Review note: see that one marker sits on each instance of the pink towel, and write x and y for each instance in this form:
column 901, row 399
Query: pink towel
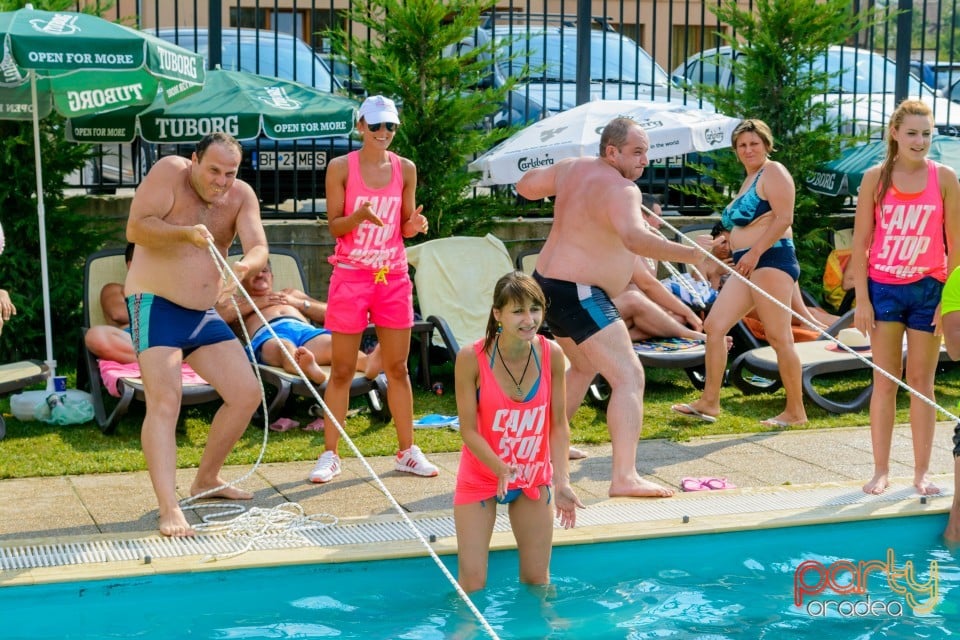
column 112, row 371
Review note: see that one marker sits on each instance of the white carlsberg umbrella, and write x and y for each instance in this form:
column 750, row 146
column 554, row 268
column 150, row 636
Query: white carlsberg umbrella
column 673, row 129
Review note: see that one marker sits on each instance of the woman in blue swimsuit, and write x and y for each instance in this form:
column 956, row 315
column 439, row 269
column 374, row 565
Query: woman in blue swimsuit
column 759, row 220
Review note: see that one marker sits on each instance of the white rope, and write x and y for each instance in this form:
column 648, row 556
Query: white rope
column 683, row 282
column 811, row 325
column 280, row 524
column 260, row 523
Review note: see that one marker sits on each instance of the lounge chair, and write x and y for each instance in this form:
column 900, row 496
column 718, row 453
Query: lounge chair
column 454, row 280
column 817, row 358
column 659, row 353
column 288, row 272
column 17, row 375
column 103, row 267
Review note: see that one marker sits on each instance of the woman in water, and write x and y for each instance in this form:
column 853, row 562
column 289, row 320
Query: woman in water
column 510, row 400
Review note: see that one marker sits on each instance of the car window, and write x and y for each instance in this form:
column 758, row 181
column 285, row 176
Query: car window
column 553, row 58
column 860, row 72
column 268, row 55
column 863, row 73
column 703, row 71
column 288, row 59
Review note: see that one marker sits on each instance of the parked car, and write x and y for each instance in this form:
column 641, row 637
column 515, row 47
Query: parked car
column 277, row 170
column 540, row 52
column 861, row 95
column 542, row 56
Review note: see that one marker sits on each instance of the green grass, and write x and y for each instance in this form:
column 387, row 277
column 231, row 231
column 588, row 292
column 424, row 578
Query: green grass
column 39, row 449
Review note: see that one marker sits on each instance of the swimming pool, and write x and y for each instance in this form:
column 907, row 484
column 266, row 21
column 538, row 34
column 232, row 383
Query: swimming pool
column 720, row 585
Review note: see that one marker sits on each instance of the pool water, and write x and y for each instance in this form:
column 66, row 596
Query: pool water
column 710, row 586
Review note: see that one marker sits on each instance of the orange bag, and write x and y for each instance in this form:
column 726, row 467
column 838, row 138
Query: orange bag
column 833, row 291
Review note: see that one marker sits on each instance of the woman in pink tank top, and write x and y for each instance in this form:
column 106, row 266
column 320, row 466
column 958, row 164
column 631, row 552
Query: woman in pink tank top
column 905, row 237
column 371, row 208
column 510, row 400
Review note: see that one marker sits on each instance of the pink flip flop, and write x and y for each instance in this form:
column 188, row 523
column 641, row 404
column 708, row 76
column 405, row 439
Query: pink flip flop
column 316, row 425
column 283, row 424
column 716, row 484
column 692, row 484
column 706, row 484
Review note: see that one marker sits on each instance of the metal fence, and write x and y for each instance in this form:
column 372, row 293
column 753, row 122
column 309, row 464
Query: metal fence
column 639, row 49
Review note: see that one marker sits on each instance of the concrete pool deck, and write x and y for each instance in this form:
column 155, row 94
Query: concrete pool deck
column 816, row 471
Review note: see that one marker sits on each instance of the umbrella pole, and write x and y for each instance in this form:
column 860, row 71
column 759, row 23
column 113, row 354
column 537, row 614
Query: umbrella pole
column 41, row 217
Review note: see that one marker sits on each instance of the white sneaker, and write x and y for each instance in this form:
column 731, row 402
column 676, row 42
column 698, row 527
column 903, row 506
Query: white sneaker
column 413, row 461
column 327, row 467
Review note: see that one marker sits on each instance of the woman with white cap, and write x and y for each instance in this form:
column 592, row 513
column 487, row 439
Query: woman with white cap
column 371, row 208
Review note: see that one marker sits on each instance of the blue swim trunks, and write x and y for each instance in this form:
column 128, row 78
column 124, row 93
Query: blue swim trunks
column 912, row 304
column 157, row 322
column 288, row 328
column 576, row 311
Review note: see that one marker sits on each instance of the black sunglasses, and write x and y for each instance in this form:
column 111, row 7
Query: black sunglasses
column 391, row 126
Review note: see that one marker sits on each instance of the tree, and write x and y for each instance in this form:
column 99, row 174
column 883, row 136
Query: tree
column 932, row 27
column 442, row 111
column 71, row 236
column 776, row 82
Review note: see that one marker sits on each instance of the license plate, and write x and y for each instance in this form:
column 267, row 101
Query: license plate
column 301, row 160
column 675, row 161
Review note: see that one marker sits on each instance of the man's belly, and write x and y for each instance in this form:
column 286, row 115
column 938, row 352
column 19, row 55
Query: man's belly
column 193, row 288
column 610, row 275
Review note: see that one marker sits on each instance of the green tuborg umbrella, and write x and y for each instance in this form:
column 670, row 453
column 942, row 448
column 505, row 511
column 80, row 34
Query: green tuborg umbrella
column 843, row 175
column 240, row 103
column 80, row 64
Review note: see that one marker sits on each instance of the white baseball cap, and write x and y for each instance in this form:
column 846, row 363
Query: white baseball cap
column 377, row 109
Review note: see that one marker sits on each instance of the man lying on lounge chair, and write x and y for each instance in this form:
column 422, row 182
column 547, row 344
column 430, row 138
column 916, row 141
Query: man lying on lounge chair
column 717, row 274
column 112, row 341
column 291, row 314
column 650, row 309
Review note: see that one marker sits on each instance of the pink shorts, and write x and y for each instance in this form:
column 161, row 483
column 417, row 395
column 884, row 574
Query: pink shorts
column 356, row 298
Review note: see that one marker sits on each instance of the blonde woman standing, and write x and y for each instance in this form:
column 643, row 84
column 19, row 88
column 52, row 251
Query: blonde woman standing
column 904, row 244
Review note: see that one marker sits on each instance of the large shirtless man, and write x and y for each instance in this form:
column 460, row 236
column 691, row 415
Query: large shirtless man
column 291, row 314
column 172, row 286
column 588, row 258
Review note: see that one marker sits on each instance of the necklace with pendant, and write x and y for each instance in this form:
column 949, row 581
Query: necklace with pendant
column 518, row 393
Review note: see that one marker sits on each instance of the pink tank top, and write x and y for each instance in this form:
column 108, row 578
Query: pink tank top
column 369, row 246
column 519, row 431
column 908, row 243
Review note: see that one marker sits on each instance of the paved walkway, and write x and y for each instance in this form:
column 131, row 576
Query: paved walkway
column 122, row 504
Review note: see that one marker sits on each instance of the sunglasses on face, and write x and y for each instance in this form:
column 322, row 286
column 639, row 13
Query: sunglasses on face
column 391, row 126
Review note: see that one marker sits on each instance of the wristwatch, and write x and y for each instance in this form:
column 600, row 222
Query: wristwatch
column 306, row 305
